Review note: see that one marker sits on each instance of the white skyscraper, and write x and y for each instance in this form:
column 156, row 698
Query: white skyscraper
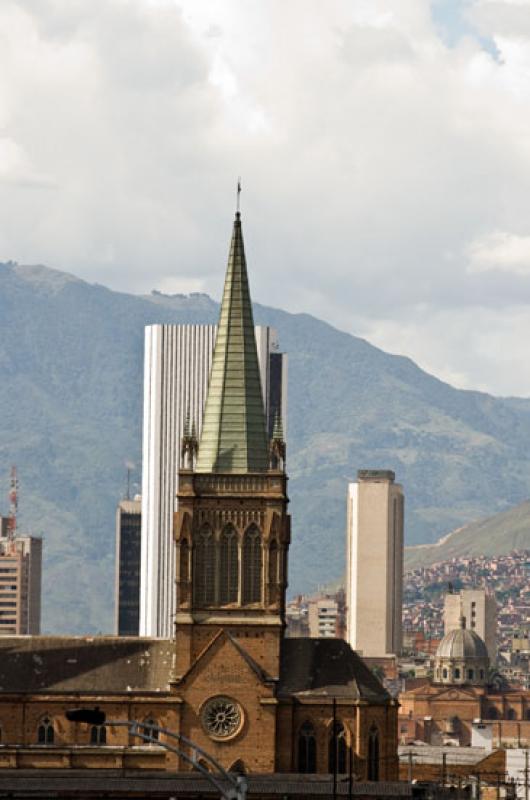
column 176, row 373
column 374, row 563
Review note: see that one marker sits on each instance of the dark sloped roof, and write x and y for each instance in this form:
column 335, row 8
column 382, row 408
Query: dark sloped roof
column 327, row 667
column 84, row 664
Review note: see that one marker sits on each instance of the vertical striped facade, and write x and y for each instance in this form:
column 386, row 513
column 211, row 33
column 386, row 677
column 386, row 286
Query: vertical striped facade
column 176, row 374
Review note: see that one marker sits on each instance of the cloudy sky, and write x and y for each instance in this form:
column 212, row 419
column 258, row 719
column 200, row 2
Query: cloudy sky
column 384, row 147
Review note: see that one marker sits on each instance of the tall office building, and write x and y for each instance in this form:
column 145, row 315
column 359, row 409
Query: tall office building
column 176, row 374
column 127, row 583
column 374, row 563
column 479, row 607
column 20, row 583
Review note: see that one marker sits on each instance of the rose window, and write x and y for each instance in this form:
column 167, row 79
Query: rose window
column 221, row 717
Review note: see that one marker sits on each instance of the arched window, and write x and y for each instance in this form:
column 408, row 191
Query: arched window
column 229, row 567
column 492, row 713
column 511, row 714
column 98, row 734
column 252, row 566
column 337, row 749
column 373, row 755
column 307, row 749
column 149, row 728
column 45, row 731
column 470, row 674
column 238, row 767
column 457, row 673
column 204, row 568
column 444, row 673
column 273, row 563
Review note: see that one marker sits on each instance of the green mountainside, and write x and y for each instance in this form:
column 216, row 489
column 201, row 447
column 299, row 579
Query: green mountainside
column 494, row 536
column 71, row 371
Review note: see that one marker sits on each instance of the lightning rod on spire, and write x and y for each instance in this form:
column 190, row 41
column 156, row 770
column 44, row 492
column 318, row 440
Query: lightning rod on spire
column 238, row 209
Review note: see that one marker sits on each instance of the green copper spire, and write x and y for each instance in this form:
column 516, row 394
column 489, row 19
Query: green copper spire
column 234, row 438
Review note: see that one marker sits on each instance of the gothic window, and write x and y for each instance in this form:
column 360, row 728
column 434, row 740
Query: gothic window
column 229, row 567
column 307, row 749
column 337, row 749
column 373, row 755
column 45, row 731
column 273, row 563
column 238, row 767
column 149, row 728
column 252, row 566
column 204, row 571
column 98, row 734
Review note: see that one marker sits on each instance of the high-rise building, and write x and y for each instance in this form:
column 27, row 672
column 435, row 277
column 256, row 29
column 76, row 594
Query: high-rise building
column 176, row 374
column 20, row 583
column 323, row 617
column 374, row 563
column 479, row 609
column 127, row 604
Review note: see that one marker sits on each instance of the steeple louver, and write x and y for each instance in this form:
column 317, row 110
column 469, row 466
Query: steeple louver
column 233, row 438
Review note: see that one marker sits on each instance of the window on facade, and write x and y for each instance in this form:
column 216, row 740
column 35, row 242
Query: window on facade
column 45, row 732
column 337, row 749
column 457, row 673
column 149, row 728
column 273, row 563
column 527, row 713
column 238, row 767
column 184, row 560
column 482, row 674
column 445, row 673
column 204, row 568
column 98, row 734
column 307, row 749
column 470, row 674
column 373, row 755
column 252, row 566
column 229, row 567
column 492, row 713
column 511, row 713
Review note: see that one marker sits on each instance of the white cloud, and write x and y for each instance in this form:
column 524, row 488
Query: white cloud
column 385, row 174
column 501, row 251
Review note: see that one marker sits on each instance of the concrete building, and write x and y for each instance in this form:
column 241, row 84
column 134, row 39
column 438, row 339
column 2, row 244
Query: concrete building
column 127, row 583
column 479, row 608
column 20, row 583
column 176, row 374
column 374, row 563
column 323, row 618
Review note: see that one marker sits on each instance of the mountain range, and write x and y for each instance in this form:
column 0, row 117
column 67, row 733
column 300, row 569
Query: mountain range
column 71, row 370
column 493, row 536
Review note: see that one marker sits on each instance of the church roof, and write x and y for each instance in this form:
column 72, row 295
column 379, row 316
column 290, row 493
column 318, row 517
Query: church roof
column 103, row 665
column 233, row 438
column 327, row 667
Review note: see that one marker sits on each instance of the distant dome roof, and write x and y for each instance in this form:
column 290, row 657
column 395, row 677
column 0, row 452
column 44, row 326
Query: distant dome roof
column 462, row 644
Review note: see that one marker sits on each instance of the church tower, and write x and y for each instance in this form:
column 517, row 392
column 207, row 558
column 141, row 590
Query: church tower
column 232, row 529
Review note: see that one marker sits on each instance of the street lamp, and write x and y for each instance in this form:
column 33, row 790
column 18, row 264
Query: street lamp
column 237, row 784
